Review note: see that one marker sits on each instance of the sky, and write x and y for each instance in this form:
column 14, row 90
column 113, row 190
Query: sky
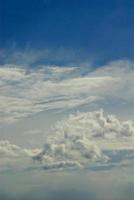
column 99, row 30
column 66, row 99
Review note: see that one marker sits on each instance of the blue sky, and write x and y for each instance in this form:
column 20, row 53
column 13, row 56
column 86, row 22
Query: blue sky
column 102, row 30
column 85, row 49
column 66, row 99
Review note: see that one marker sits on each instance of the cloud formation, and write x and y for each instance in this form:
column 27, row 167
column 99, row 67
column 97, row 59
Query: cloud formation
column 78, row 138
column 75, row 142
column 9, row 150
column 96, row 125
column 28, row 91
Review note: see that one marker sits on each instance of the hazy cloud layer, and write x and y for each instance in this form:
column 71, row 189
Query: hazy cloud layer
column 24, row 91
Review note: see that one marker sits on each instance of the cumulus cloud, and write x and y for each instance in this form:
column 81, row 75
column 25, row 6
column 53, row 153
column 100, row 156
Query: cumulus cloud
column 14, row 157
column 9, row 150
column 97, row 126
column 76, row 142
column 79, row 138
column 68, row 152
column 51, row 156
column 62, row 149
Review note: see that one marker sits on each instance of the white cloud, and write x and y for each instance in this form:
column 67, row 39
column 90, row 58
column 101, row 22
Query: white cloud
column 9, row 150
column 96, row 125
column 72, row 149
column 60, row 150
column 24, row 92
column 106, row 131
column 82, row 137
column 75, row 154
column 75, row 142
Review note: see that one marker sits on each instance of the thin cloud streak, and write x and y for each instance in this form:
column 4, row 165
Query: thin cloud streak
column 25, row 92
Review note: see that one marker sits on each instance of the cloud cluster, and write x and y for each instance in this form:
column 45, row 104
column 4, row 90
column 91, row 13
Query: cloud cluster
column 60, row 151
column 9, row 150
column 75, row 154
column 96, row 125
column 75, row 142
column 76, row 139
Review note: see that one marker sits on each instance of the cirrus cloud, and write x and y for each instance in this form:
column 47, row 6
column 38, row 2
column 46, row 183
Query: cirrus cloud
column 24, row 92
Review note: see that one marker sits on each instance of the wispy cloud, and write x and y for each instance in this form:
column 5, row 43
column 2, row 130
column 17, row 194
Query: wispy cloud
column 24, row 92
column 29, row 57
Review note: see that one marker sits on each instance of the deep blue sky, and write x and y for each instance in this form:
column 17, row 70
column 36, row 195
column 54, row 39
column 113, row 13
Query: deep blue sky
column 99, row 28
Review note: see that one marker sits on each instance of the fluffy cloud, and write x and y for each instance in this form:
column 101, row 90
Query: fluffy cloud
column 75, row 142
column 9, row 150
column 14, row 157
column 96, row 125
column 78, row 138
column 63, row 151
column 75, row 154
